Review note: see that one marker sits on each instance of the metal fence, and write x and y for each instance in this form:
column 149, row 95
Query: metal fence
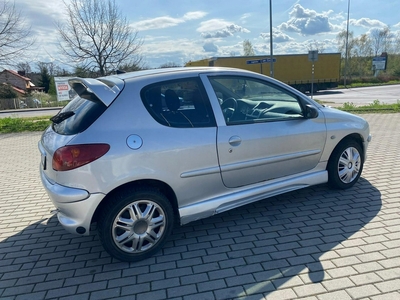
column 24, row 103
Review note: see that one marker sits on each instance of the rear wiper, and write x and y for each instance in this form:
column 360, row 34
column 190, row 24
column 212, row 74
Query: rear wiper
column 58, row 118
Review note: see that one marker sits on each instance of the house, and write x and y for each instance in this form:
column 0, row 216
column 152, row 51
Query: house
column 21, row 84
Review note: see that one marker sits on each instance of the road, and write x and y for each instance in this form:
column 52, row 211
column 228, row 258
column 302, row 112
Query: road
column 361, row 96
column 28, row 112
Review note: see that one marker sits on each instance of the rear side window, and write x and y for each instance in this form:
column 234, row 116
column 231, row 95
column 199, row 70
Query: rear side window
column 78, row 115
column 179, row 103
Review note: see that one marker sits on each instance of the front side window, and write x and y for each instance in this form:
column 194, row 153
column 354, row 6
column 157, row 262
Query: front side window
column 178, row 103
column 249, row 100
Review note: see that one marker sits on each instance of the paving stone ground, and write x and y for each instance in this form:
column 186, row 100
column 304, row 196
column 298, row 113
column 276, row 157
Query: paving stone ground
column 315, row 243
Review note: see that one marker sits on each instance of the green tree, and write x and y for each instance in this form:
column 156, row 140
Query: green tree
column 52, row 88
column 7, row 92
column 7, row 96
column 45, row 77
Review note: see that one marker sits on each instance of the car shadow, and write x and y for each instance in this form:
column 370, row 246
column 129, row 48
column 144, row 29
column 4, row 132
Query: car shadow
column 254, row 249
column 274, row 240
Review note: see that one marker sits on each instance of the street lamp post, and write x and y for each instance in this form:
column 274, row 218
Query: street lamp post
column 270, row 39
column 347, row 44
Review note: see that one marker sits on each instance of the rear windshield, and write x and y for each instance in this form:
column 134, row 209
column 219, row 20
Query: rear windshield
column 78, row 115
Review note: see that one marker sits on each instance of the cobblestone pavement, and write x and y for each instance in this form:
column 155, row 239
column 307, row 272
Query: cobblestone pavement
column 315, row 243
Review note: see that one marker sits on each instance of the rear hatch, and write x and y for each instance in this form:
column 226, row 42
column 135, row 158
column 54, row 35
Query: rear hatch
column 93, row 98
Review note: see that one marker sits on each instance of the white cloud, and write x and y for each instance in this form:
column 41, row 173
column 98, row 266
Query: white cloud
column 213, row 24
column 218, row 28
column 397, row 25
column 194, row 15
column 329, row 45
column 277, row 35
column 156, row 23
column 307, row 22
column 159, row 50
column 244, row 18
column 210, row 47
column 367, row 23
column 167, row 21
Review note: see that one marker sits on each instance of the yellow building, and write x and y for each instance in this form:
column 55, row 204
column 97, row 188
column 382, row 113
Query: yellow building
column 293, row 69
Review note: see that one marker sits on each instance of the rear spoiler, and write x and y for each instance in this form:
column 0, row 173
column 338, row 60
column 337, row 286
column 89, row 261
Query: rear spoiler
column 106, row 89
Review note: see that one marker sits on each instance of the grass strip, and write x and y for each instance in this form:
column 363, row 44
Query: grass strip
column 11, row 124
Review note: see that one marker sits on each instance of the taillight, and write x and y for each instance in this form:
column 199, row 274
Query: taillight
column 74, row 156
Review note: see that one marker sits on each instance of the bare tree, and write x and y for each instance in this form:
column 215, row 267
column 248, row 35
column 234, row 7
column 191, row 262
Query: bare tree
column 15, row 35
column 381, row 40
column 396, row 43
column 248, row 48
column 362, row 53
column 341, row 40
column 348, row 64
column 24, row 67
column 169, row 65
column 363, row 46
column 52, row 68
column 97, row 37
column 316, row 45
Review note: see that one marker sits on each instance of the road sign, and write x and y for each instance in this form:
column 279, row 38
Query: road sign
column 260, row 61
column 313, row 55
column 253, row 61
column 268, row 60
column 379, row 63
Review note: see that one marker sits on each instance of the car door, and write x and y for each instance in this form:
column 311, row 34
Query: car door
column 266, row 134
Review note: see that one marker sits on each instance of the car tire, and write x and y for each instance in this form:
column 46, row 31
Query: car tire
column 345, row 164
column 135, row 223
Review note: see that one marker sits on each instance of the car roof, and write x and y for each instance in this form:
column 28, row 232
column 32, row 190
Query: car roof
column 135, row 74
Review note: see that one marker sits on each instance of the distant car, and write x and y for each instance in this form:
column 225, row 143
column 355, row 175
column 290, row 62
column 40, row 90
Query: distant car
column 36, row 102
column 22, row 104
column 126, row 154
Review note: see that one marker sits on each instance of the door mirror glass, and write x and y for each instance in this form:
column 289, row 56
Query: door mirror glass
column 311, row 112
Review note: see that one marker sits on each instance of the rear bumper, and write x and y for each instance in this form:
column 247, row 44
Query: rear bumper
column 75, row 207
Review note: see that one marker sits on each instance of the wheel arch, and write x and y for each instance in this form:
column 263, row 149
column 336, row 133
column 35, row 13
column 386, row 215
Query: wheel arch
column 149, row 183
column 343, row 175
column 358, row 138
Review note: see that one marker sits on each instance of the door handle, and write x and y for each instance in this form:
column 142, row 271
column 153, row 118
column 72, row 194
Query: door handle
column 235, row 141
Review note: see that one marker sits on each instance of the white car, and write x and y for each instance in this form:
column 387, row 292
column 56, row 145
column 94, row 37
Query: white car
column 128, row 155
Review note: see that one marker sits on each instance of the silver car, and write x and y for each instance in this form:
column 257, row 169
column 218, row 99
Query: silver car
column 137, row 152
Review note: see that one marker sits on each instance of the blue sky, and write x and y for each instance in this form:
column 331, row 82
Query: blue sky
column 181, row 30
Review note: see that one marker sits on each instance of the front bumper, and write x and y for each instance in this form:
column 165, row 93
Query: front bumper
column 75, row 207
column 366, row 144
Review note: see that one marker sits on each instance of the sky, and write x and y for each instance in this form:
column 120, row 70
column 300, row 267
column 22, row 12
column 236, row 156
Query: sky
column 178, row 31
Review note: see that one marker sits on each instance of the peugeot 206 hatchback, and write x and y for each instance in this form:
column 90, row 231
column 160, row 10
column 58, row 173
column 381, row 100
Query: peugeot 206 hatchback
column 138, row 151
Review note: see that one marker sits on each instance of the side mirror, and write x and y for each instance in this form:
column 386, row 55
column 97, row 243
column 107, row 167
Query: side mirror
column 311, row 112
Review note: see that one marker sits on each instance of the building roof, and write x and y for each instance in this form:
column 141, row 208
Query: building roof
column 16, row 74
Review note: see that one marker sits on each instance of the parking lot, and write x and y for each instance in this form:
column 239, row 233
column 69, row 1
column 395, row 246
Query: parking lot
column 315, row 243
